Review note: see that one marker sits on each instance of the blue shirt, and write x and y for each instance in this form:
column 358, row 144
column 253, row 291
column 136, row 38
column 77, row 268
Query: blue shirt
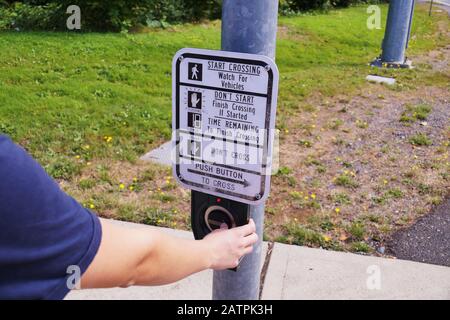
column 43, row 231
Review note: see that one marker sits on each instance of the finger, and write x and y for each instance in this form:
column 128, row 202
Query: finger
column 248, row 250
column 223, row 227
column 250, row 240
column 247, row 229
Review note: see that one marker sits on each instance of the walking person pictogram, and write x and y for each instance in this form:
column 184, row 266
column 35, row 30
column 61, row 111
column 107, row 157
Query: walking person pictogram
column 195, row 71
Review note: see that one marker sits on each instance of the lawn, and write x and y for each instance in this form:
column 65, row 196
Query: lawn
column 88, row 105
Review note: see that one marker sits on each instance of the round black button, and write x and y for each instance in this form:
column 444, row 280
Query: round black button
column 216, row 216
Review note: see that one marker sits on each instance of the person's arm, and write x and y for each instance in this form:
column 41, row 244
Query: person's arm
column 144, row 256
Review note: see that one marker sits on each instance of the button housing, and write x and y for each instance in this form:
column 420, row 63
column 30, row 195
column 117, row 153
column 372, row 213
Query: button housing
column 209, row 212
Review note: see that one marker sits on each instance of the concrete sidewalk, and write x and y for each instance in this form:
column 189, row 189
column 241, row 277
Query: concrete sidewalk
column 303, row 273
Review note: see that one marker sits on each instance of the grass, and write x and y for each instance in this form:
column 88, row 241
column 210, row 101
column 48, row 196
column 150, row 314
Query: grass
column 420, row 139
column 87, row 184
column 357, row 230
column 71, row 89
column 301, row 236
column 284, row 171
column 416, row 113
column 305, row 143
column 347, row 181
column 360, row 247
column 390, row 194
column 341, row 198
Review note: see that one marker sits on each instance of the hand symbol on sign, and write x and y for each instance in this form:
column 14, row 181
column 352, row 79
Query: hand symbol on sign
column 194, row 100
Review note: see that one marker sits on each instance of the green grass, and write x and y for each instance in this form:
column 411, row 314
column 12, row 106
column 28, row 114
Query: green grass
column 62, row 91
column 357, row 230
column 300, row 235
column 390, row 194
column 283, row 172
column 87, row 184
column 416, row 113
column 347, row 181
column 420, row 139
column 361, row 247
column 341, row 198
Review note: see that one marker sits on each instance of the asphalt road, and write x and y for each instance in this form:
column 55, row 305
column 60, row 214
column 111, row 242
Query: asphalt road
column 428, row 240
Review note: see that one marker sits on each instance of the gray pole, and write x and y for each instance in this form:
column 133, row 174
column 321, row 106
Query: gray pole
column 398, row 29
column 248, row 26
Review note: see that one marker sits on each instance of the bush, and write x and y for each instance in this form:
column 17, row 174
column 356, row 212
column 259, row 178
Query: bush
column 303, row 5
column 21, row 16
column 116, row 15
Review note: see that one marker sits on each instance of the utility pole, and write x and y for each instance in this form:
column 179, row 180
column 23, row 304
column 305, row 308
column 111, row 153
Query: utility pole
column 248, row 26
column 396, row 39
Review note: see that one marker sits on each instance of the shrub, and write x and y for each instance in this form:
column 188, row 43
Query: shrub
column 420, row 139
column 21, row 16
column 115, row 15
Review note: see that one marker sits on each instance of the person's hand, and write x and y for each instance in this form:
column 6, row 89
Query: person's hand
column 227, row 247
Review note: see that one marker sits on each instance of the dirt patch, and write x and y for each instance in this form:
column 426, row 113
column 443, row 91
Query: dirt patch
column 352, row 161
column 355, row 169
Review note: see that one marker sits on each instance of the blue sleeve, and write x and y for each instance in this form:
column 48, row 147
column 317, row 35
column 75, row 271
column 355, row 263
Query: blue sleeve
column 43, row 231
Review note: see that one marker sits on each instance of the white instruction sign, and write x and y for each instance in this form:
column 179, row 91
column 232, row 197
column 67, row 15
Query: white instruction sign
column 224, row 108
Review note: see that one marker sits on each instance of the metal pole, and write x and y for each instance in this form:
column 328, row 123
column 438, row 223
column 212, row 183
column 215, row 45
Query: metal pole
column 411, row 16
column 248, row 26
column 431, row 7
column 397, row 31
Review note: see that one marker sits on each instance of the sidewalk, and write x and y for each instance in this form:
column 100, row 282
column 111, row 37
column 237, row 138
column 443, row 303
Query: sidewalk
column 303, row 273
